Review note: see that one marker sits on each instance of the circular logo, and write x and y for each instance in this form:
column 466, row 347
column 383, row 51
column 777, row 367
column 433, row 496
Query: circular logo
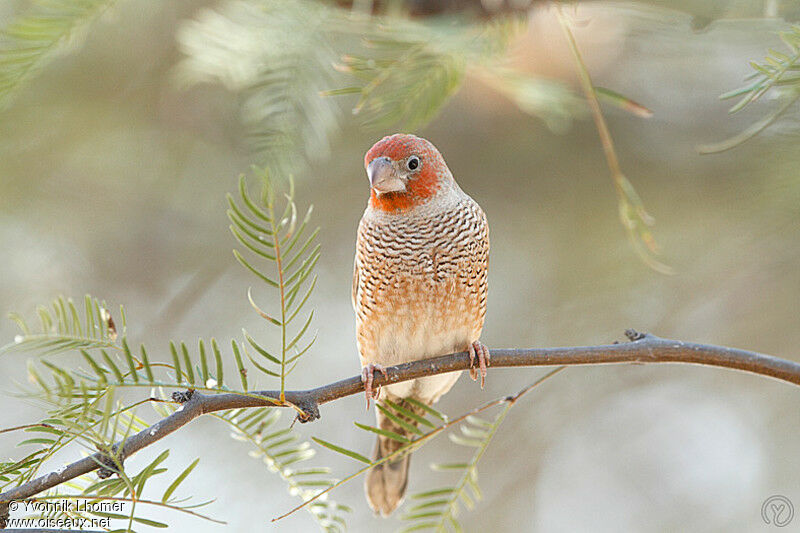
column 777, row 510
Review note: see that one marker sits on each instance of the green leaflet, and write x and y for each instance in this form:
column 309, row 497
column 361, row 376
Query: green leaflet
column 339, row 449
column 178, row 480
column 389, row 434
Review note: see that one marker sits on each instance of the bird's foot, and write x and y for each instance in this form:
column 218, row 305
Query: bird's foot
column 367, row 376
column 479, row 350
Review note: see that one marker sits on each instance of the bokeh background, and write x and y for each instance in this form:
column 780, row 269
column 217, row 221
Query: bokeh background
column 113, row 182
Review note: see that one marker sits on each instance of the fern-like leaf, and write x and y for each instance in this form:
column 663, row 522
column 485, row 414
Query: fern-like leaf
column 287, row 248
column 104, row 372
column 33, row 39
column 282, row 451
column 779, row 74
column 778, row 70
column 410, row 69
column 275, row 54
column 438, row 509
column 63, row 328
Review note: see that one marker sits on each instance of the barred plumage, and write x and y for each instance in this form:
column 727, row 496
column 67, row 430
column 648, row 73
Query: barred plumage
column 420, row 287
column 420, row 281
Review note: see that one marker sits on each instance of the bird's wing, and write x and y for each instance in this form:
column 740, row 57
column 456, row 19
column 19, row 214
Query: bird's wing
column 354, row 294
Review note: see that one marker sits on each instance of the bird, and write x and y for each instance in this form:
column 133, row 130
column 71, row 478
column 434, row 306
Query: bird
column 419, row 289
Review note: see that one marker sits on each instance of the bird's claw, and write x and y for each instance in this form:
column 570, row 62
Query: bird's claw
column 367, row 376
column 480, row 350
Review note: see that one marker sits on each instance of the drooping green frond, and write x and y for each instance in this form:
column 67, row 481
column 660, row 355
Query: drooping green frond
column 778, row 71
column 433, row 421
column 408, row 445
column 276, row 55
column 282, row 451
column 477, row 433
column 549, row 100
column 635, row 219
column 281, row 251
column 280, row 57
column 410, row 68
column 779, row 75
column 552, row 101
column 438, row 509
column 34, row 38
column 408, row 88
column 64, row 327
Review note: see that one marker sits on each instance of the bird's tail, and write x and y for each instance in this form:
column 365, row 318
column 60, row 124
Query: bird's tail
column 386, row 483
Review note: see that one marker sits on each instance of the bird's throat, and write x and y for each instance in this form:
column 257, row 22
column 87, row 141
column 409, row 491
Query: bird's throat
column 391, row 202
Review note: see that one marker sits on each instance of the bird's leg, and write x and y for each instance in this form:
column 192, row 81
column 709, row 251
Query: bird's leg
column 480, row 350
column 367, row 376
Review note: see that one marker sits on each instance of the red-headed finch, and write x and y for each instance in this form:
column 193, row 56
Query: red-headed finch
column 419, row 286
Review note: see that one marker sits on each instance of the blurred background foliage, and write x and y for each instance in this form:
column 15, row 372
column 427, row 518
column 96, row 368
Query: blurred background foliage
column 125, row 123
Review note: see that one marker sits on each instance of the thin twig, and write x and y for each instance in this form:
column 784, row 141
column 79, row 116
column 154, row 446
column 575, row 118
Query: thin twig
column 749, row 133
column 643, row 348
column 26, row 426
column 642, row 240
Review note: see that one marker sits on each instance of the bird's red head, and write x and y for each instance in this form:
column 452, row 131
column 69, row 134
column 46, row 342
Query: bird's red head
column 404, row 171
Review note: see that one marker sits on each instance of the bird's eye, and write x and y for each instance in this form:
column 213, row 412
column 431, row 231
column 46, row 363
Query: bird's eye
column 413, row 163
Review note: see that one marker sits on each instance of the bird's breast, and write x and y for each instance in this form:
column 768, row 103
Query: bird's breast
column 421, row 285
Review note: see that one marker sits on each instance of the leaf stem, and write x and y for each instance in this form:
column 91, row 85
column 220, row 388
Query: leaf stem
column 281, row 286
column 750, row 132
column 628, row 200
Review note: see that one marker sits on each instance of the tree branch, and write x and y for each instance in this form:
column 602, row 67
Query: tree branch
column 643, row 348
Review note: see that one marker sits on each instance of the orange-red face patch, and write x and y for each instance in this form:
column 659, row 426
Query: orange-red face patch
column 422, row 184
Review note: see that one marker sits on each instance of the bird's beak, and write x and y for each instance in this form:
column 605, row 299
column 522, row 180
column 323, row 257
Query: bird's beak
column 382, row 176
